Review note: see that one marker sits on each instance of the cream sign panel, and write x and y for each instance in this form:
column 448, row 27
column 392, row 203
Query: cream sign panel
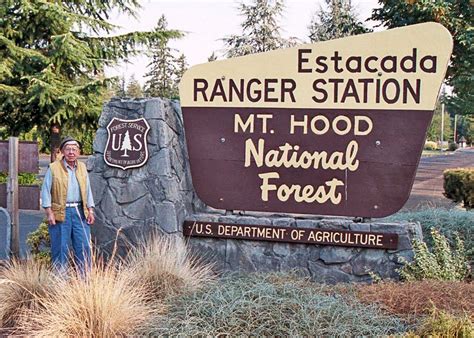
column 330, row 128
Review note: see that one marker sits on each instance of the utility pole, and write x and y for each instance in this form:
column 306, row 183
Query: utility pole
column 455, row 128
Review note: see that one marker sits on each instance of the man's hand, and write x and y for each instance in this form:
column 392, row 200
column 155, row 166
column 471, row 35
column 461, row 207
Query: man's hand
column 50, row 216
column 90, row 217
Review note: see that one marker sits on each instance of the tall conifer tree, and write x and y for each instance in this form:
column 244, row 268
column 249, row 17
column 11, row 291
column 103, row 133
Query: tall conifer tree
column 335, row 21
column 162, row 76
column 260, row 29
column 134, row 89
column 52, row 57
column 181, row 67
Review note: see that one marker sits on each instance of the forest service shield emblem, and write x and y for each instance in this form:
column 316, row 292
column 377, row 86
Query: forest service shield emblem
column 127, row 143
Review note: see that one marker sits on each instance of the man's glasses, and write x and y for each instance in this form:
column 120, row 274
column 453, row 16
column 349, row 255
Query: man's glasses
column 71, row 149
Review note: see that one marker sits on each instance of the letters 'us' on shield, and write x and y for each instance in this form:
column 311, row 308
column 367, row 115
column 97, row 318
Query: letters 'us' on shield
column 126, row 143
column 332, row 128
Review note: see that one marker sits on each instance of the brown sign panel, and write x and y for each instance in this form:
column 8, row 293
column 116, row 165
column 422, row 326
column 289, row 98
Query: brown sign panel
column 333, row 128
column 292, row 235
column 127, row 143
column 28, row 157
column 29, row 196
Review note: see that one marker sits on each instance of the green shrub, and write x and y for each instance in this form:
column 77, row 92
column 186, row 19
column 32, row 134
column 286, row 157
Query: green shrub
column 459, row 186
column 441, row 263
column 430, row 145
column 40, row 244
column 442, row 324
column 23, row 179
column 262, row 305
column 449, row 222
column 452, row 146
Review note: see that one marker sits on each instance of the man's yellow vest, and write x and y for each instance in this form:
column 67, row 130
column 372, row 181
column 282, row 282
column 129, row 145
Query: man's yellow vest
column 59, row 187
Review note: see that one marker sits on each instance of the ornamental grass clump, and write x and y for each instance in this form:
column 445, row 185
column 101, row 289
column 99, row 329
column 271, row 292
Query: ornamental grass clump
column 166, row 267
column 442, row 263
column 443, row 324
column 265, row 305
column 106, row 303
column 22, row 286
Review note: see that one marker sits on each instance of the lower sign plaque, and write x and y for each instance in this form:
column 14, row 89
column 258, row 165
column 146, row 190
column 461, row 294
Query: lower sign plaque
column 361, row 239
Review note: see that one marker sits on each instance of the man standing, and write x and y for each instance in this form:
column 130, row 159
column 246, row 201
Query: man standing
column 67, row 199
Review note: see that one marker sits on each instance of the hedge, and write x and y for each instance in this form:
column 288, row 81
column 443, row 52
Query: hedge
column 459, row 185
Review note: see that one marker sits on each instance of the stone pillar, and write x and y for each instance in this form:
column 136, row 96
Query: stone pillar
column 132, row 203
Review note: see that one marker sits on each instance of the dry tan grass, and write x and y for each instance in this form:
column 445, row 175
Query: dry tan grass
column 420, row 297
column 166, row 267
column 22, row 286
column 107, row 303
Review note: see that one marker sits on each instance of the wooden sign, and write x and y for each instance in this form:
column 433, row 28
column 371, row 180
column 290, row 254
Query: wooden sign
column 361, row 239
column 28, row 157
column 28, row 197
column 126, row 143
column 333, row 128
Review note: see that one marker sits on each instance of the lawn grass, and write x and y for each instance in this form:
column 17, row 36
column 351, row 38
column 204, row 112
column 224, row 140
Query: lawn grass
column 431, row 153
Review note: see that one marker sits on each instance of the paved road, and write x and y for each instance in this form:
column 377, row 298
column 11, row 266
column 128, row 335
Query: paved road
column 428, row 188
column 427, row 191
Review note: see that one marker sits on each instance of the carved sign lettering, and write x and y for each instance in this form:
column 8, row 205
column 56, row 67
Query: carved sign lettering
column 292, row 235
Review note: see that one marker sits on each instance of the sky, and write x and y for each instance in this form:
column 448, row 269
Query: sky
column 206, row 22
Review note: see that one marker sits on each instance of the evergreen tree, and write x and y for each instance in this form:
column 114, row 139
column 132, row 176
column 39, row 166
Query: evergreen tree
column 120, row 87
column 52, row 56
column 260, row 29
column 465, row 127
column 134, row 89
column 181, row 67
column 161, row 81
column 336, row 21
column 212, row 57
column 434, row 130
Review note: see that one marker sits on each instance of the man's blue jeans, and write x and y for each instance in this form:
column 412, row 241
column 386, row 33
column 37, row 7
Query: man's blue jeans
column 76, row 231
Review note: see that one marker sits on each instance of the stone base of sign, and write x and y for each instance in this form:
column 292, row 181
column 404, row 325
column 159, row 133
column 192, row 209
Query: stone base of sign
column 159, row 197
column 321, row 262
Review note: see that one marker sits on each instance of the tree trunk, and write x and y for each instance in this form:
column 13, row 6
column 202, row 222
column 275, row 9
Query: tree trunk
column 55, row 141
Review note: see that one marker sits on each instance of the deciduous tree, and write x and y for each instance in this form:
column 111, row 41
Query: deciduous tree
column 457, row 17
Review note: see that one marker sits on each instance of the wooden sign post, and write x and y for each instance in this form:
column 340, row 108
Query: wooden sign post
column 17, row 157
column 12, row 196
